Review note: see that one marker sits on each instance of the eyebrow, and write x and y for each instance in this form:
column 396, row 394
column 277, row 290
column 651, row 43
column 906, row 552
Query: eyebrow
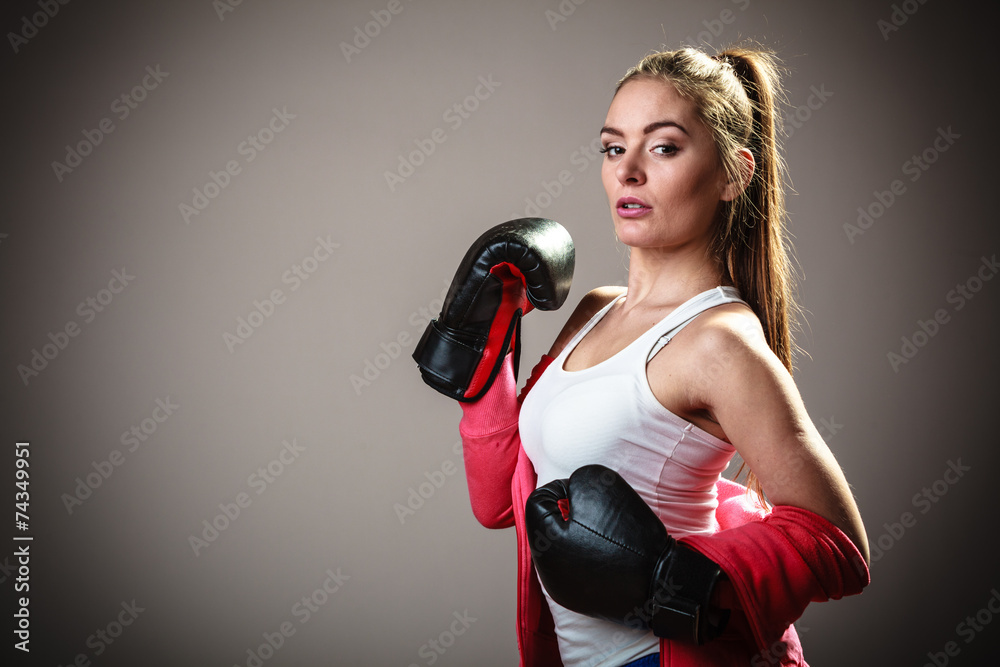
column 652, row 127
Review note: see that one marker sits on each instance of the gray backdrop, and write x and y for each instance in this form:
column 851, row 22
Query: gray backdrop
column 226, row 223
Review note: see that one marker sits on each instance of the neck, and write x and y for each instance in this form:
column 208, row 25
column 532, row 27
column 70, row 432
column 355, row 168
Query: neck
column 659, row 278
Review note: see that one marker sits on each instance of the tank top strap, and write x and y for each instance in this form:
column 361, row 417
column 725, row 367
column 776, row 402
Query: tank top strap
column 585, row 329
column 684, row 314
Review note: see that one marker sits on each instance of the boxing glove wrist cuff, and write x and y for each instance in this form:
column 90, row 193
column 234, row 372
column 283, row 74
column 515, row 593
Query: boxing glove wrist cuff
column 682, row 588
column 454, row 358
column 449, row 355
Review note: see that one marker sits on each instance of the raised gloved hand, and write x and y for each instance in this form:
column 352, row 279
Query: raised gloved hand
column 512, row 268
column 599, row 550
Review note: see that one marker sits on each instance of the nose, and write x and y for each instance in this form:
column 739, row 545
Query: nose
column 630, row 169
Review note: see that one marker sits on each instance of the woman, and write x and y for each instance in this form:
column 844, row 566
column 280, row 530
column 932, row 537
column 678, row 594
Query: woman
column 665, row 380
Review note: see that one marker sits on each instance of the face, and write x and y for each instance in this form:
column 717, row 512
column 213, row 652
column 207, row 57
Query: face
column 661, row 169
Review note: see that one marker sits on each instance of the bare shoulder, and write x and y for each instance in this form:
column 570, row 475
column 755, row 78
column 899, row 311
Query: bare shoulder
column 728, row 329
column 725, row 352
column 589, row 305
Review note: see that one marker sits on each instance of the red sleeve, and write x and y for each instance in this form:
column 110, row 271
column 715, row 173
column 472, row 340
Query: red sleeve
column 490, row 443
column 779, row 562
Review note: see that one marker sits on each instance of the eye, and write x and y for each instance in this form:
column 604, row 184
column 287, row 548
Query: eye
column 612, row 151
column 665, row 149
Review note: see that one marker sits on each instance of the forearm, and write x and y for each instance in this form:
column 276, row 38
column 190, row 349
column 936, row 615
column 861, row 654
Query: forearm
column 776, row 566
column 490, row 443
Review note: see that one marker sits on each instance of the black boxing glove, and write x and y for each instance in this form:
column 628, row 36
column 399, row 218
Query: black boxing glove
column 600, row 551
column 512, row 268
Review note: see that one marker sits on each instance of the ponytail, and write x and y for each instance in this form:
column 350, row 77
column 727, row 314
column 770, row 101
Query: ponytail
column 753, row 247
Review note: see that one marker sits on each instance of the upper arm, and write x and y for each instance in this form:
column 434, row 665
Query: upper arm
column 589, row 305
column 758, row 406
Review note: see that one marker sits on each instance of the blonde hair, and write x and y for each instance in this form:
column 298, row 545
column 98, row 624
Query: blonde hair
column 737, row 93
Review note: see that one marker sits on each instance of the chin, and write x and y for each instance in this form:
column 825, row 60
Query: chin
column 635, row 234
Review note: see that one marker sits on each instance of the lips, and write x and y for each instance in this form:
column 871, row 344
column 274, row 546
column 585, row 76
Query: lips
column 632, row 207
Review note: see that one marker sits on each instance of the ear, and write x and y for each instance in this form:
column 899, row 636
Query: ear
column 732, row 189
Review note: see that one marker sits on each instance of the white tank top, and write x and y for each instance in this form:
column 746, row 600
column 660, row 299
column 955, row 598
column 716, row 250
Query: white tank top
column 608, row 414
